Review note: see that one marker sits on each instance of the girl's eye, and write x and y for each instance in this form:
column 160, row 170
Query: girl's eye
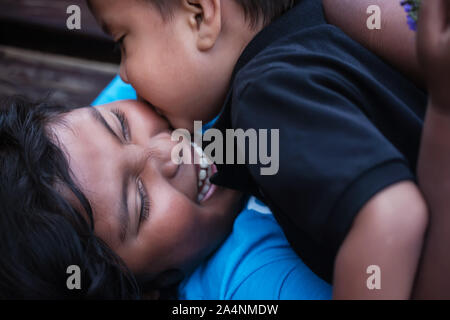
column 145, row 203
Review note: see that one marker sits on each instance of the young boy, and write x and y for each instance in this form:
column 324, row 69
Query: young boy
column 349, row 124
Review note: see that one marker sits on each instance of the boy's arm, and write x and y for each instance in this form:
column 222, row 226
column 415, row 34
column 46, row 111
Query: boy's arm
column 434, row 158
column 387, row 233
column 394, row 42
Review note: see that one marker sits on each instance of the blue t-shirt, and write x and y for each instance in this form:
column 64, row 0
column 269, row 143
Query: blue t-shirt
column 255, row 263
column 115, row 91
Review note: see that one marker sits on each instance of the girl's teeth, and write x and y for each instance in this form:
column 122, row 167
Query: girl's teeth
column 205, row 172
column 206, row 186
column 202, row 175
column 201, row 196
column 204, row 163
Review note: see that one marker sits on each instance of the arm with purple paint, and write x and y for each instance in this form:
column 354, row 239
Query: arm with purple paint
column 394, row 42
column 433, row 47
column 403, row 31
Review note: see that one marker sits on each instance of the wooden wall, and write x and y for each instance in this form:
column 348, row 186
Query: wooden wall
column 40, row 56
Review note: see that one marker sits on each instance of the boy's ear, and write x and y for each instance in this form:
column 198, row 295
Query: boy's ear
column 205, row 19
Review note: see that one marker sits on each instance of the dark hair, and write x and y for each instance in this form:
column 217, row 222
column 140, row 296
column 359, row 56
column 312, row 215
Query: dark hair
column 267, row 10
column 41, row 233
column 255, row 10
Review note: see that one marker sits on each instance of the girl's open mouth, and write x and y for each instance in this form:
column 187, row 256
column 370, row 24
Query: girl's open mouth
column 205, row 170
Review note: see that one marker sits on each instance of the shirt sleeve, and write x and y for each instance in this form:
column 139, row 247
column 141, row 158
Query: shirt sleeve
column 332, row 158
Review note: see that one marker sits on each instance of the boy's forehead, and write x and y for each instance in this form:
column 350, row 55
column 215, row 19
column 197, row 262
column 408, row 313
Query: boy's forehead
column 104, row 10
column 107, row 11
column 99, row 7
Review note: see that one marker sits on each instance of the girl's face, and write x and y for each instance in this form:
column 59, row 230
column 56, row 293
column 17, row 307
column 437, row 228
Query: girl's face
column 146, row 207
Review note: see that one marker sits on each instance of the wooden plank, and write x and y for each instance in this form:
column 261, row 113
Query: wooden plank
column 70, row 81
column 38, row 38
column 50, row 14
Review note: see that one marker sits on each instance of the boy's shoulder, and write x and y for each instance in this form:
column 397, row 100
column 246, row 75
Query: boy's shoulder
column 323, row 50
column 314, row 59
column 319, row 58
column 299, row 42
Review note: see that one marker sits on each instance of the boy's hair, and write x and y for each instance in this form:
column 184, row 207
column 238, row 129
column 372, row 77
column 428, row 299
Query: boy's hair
column 41, row 233
column 254, row 10
column 267, row 10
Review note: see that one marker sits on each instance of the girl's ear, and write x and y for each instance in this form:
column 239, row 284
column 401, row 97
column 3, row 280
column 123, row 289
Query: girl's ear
column 205, row 20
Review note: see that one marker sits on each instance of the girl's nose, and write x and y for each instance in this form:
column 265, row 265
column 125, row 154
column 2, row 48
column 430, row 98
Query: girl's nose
column 162, row 147
column 169, row 169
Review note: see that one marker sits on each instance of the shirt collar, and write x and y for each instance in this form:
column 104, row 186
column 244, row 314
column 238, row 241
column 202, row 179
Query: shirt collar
column 306, row 13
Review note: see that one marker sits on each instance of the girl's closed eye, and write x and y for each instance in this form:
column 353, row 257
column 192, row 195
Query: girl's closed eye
column 126, row 132
column 145, row 203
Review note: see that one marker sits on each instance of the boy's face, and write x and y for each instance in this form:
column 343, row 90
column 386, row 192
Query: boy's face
column 145, row 207
column 165, row 58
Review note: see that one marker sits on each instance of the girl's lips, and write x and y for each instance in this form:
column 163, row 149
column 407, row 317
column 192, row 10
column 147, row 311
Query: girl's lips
column 205, row 169
column 212, row 187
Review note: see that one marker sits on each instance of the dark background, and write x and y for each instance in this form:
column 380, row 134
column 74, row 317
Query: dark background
column 39, row 56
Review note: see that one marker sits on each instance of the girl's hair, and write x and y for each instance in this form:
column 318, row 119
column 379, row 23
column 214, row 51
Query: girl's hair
column 41, row 233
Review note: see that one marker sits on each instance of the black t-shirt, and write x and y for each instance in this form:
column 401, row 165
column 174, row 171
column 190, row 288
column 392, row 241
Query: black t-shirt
column 349, row 124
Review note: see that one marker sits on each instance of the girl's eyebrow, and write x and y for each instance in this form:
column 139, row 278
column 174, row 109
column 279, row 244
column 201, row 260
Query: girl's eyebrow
column 100, row 119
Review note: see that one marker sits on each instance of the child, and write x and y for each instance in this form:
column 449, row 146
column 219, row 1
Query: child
column 256, row 265
column 349, row 123
column 96, row 188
